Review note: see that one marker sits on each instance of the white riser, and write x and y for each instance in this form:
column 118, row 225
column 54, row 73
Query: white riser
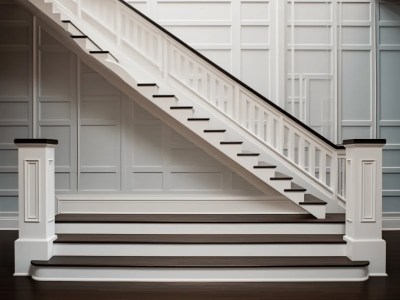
column 184, row 228
column 84, row 249
column 200, row 274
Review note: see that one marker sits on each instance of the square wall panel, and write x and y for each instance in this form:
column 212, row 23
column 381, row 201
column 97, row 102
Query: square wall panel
column 152, row 181
column 147, row 145
column 63, row 135
column 196, row 181
column 15, row 73
column 252, row 11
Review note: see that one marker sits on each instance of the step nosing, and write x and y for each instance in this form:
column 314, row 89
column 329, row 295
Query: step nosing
column 199, row 262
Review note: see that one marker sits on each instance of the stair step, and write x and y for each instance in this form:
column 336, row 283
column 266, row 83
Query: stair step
column 181, row 107
column 198, row 218
column 79, row 36
column 295, row 188
column 281, row 176
column 202, row 238
column 198, row 262
column 99, row 52
column 214, row 130
column 147, row 84
column 312, row 200
column 264, row 165
column 231, row 143
column 248, row 154
column 198, row 119
column 164, row 96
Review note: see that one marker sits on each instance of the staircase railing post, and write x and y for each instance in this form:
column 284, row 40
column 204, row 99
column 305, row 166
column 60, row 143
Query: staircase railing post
column 364, row 203
column 36, row 202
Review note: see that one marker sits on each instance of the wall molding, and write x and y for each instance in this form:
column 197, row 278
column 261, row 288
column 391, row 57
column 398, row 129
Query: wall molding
column 8, row 220
column 391, row 221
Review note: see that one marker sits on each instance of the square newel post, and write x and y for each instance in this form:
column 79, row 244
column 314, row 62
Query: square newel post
column 36, row 202
column 364, row 203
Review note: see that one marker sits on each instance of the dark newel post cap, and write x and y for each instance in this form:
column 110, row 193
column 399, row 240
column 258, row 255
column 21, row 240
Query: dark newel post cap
column 364, row 141
column 36, row 141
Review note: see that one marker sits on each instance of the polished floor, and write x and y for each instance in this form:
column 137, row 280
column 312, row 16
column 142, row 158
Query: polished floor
column 25, row 288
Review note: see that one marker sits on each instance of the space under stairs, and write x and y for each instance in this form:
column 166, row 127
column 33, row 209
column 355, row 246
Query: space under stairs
column 243, row 130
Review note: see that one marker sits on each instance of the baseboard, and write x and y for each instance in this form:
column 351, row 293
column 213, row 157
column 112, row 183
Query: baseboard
column 391, row 221
column 8, row 221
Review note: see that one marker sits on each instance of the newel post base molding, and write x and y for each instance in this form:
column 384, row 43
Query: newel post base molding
column 364, row 203
column 36, row 202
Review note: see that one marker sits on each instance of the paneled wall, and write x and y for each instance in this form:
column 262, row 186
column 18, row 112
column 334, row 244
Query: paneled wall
column 315, row 58
column 388, row 47
column 15, row 95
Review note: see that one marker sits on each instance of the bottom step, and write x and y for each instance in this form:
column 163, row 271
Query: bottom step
column 199, row 269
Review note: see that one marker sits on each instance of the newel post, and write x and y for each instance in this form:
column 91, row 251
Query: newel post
column 364, row 203
column 36, row 202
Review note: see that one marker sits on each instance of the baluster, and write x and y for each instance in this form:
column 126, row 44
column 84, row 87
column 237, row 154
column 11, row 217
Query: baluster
column 311, row 160
column 280, row 136
column 322, row 166
column 302, row 151
column 261, row 124
column 291, row 144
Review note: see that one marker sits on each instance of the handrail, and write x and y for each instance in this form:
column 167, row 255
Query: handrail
column 265, row 99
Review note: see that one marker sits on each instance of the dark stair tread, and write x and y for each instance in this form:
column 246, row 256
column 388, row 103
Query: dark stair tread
column 198, row 218
column 295, row 188
column 181, row 107
column 248, row 154
column 264, row 165
column 311, row 200
column 281, row 176
column 231, row 143
column 164, row 96
column 214, row 130
column 81, row 36
column 202, row 238
column 199, row 261
column 147, row 84
column 99, row 52
column 198, row 119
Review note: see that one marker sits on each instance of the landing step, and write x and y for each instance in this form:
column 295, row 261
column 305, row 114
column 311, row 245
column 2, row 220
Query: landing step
column 198, row 218
column 199, row 261
column 202, row 238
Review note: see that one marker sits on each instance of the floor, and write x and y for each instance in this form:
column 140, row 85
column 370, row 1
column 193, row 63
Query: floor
column 25, row 288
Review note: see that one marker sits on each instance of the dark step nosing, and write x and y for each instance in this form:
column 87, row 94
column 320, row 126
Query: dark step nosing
column 82, row 36
column 201, row 239
column 214, row 130
column 248, row 154
column 99, row 52
column 198, row 119
column 147, row 84
column 264, row 167
column 66, row 21
column 335, row 218
column 164, row 96
column 294, row 190
column 199, row 262
column 181, row 107
column 281, row 178
column 231, row 143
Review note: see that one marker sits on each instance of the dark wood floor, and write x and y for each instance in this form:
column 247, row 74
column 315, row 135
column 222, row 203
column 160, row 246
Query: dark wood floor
column 25, row 288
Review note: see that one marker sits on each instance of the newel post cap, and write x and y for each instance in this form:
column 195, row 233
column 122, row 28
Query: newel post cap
column 35, row 142
column 364, row 142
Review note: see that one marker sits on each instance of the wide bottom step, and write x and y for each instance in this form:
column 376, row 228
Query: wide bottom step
column 199, row 269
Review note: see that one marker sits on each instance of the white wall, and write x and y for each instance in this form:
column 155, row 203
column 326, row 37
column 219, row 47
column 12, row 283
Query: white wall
column 314, row 57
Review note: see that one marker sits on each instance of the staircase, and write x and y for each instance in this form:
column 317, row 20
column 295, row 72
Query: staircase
column 245, row 131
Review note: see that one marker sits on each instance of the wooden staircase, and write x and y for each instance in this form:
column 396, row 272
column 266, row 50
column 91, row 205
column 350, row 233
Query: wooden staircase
column 219, row 248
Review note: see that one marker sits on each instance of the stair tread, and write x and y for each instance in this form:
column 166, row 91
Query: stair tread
column 199, row 261
column 198, row 218
column 202, row 238
column 311, row 199
column 147, row 84
column 181, row 107
column 99, row 52
column 198, row 119
column 264, row 165
column 163, row 96
column 80, row 36
column 248, row 154
column 295, row 188
column 231, row 143
column 214, row 130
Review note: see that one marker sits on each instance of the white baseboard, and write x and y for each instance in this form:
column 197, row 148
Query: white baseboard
column 8, row 221
column 391, row 221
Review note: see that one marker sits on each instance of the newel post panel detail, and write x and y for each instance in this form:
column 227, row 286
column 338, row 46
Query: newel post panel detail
column 36, row 202
column 364, row 203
